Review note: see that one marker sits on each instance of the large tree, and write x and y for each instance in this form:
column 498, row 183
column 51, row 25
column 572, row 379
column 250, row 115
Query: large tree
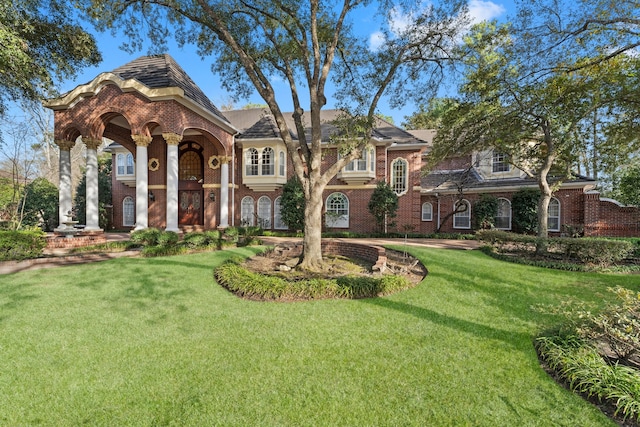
column 532, row 117
column 40, row 43
column 257, row 42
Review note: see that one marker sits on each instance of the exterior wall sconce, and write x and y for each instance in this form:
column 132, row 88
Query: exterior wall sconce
column 152, row 197
column 212, row 196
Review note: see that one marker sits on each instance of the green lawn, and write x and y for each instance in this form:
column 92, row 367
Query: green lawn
column 156, row 342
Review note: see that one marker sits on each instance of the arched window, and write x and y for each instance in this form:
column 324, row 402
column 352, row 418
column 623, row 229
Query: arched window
column 337, row 211
column 264, row 212
column 268, row 161
column 251, row 162
column 462, row 217
column 427, row 211
column 503, row 216
column 128, row 212
column 553, row 220
column 399, row 176
column 247, row 212
column 278, row 224
column 282, row 164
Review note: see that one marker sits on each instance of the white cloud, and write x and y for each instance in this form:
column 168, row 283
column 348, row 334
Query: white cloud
column 376, row 40
column 480, row 10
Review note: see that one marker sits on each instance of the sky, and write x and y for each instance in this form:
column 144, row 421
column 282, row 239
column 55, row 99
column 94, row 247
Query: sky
column 200, row 69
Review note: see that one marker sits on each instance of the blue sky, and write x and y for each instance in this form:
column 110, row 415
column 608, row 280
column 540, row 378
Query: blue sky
column 200, row 69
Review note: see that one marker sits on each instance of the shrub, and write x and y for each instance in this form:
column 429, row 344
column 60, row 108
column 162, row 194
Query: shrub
column 146, row 237
column 18, row 245
column 195, row 240
column 524, row 205
column 601, row 252
column 168, row 238
column 485, row 211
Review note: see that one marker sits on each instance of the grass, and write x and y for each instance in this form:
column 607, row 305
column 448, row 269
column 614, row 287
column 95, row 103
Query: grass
column 156, row 342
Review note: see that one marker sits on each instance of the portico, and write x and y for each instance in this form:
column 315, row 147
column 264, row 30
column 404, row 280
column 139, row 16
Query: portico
column 171, row 146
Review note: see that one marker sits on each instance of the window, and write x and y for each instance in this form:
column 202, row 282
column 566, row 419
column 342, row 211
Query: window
column 366, row 162
column 282, row 164
column 337, row 213
column 500, row 162
column 427, row 211
column 251, row 162
column 128, row 212
column 264, row 212
column 124, row 164
column 553, row 220
column 278, row 224
column 268, row 161
column 462, row 217
column 399, row 176
column 246, row 211
column 503, row 216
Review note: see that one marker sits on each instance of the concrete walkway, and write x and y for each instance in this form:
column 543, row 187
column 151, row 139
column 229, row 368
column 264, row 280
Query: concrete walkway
column 62, row 257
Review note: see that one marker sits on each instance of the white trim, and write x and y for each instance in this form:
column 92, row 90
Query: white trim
column 465, row 214
column 422, row 212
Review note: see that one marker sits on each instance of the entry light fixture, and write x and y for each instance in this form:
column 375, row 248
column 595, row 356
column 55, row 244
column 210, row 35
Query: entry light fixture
column 212, row 196
column 152, row 196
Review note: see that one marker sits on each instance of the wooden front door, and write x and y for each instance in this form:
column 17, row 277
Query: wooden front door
column 190, row 207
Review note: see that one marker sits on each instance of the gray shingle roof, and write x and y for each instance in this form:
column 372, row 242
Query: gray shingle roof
column 162, row 71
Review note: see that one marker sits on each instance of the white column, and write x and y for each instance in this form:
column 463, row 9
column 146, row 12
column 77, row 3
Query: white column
column 224, row 193
column 172, row 140
column 64, row 187
column 93, row 214
column 142, row 181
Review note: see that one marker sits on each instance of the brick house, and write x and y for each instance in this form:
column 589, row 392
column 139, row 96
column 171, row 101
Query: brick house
column 180, row 163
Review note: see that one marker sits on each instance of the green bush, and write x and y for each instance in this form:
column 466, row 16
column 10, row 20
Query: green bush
column 167, row 238
column 146, row 237
column 195, row 240
column 524, row 205
column 484, row 212
column 601, row 252
column 248, row 284
column 18, row 245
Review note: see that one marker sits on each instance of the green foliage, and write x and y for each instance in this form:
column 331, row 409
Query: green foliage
column 146, row 237
column 248, row 284
column 104, row 193
column 485, row 211
column 383, row 204
column 627, row 184
column 40, row 203
column 292, row 204
column 40, row 42
column 18, row 245
column 524, row 208
column 429, row 116
column 586, row 372
column 601, row 252
column 167, row 238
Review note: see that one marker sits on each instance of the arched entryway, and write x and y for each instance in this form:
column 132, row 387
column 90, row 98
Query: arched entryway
column 190, row 180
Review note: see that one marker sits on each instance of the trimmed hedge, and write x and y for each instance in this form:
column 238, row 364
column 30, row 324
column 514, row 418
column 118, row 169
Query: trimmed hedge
column 248, row 284
column 19, row 245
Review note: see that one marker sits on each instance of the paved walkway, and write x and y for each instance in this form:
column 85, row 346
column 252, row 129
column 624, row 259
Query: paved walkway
column 61, row 257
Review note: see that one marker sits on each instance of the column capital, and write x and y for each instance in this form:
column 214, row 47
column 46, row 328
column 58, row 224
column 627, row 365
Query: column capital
column 92, row 143
column 65, row 145
column 172, row 138
column 225, row 160
column 142, row 140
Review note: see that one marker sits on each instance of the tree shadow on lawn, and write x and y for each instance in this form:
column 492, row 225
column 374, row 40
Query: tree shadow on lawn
column 14, row 296
column 482, row 331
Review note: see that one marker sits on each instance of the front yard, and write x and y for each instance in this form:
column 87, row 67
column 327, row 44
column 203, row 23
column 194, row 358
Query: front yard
column 156, row 341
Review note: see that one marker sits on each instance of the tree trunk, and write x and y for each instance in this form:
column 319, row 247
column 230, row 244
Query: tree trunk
column 312, row 239
column 543, row 215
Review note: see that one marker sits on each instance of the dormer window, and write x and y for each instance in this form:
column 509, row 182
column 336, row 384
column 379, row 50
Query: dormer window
column 500, row 162
column 261, row 161
column 362, row 170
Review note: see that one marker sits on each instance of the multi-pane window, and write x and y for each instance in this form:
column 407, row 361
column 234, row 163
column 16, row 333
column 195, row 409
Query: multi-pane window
column 399, row 176
column 337, row 213
column 264, row 212
column 427, row 211
column 553, row 220
column 268, row 161
column 128, row 212
column 500, row 162
column 190, row 166
column 281, row 164
column 364, row 163
column 462, row 216
column 278, row 224
column 124, row 164
column 251, row 162
column 503, row 215
column 247, row 211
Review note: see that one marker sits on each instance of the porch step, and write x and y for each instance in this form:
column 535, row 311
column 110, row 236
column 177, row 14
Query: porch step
column 191, row 228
